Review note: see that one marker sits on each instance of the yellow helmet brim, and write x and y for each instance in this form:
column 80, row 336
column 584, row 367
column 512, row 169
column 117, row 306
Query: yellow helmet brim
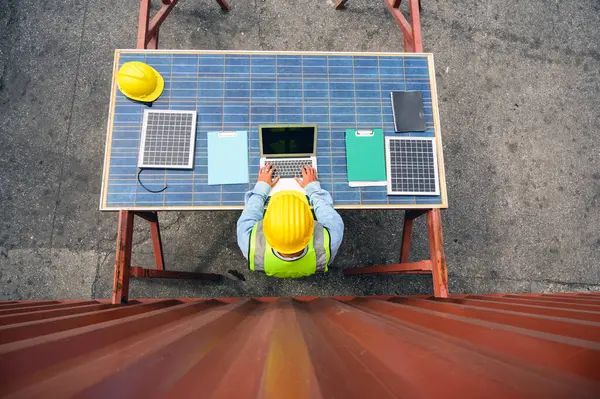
column 295, row 193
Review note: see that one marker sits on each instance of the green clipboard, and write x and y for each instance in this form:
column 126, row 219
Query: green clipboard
column 365, row 155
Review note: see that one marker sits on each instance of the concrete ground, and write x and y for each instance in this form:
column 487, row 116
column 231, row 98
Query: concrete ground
column 518, row 87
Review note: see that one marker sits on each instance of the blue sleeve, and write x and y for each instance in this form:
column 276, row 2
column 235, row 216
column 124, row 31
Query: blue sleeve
column 323, row 205
column 253, row 212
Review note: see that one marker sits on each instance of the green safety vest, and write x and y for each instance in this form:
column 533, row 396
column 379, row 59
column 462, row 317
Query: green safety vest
column 316, row 259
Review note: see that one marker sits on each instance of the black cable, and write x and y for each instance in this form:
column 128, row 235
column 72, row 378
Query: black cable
column 147, row 189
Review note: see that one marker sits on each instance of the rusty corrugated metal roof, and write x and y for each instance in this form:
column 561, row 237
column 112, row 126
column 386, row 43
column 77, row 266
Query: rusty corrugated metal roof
column 505, row 346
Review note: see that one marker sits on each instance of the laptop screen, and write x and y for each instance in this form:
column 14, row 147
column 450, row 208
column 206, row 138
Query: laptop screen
column 288, row 140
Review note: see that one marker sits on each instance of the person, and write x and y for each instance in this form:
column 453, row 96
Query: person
column 288, row 242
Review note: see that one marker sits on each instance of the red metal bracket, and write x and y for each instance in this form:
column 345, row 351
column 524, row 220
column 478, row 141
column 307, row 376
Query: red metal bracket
column 435, row 265
column 123, row 268
column 148, row 28
column 420, row 267
column 411, row 31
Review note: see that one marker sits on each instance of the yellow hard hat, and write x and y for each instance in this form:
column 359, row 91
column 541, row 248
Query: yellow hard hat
column 288, row 224
column 140, row 81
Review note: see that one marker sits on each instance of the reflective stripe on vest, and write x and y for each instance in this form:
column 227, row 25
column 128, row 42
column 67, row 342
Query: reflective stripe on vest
column 319, row 243
column 318, row 254
column 259, row 248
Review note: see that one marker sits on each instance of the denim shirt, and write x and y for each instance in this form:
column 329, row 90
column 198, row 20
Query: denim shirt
column 320, row 200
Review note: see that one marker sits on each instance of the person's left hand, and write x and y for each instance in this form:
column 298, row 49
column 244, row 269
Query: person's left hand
column 265, row 174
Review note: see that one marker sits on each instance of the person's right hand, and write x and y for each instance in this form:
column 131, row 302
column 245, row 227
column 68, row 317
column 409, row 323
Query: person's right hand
column 309, row 175
column 266, row 174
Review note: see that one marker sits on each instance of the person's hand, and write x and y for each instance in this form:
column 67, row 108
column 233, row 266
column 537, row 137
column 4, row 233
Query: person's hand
column 309, row 175
column 266, row 174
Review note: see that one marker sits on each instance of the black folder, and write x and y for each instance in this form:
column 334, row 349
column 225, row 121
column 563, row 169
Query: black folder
column 409, row 115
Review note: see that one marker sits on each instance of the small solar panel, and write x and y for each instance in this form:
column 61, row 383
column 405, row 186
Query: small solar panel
column 168, row 139
column 411, row 166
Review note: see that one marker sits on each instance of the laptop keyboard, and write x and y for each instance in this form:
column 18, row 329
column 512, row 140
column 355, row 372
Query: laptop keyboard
column 289, row 167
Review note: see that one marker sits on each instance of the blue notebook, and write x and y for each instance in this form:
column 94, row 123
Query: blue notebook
column 228, row 157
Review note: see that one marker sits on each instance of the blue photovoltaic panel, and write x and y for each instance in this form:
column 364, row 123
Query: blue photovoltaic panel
column 240, row 91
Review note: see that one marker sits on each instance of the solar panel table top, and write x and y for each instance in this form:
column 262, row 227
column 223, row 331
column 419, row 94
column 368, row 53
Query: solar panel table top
column 241, row 90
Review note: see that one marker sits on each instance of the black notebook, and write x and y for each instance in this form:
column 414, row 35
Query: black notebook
column 409, row 115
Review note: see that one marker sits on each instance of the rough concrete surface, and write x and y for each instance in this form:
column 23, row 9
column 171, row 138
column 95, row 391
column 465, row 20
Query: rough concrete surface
column 518, row 86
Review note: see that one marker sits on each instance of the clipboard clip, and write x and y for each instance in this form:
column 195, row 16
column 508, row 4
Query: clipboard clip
column 364, row 132
column 227, row 134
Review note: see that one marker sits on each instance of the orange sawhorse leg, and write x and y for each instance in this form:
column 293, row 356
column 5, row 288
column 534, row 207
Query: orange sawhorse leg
column 152, row 218
column 435, row 265
column 123, row 258
column 409, row 216
column 123, row 268
column 439, row 270
column 411, row 31
column 148, row 28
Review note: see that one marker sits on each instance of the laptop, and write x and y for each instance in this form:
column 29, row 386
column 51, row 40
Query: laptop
column 288, row 148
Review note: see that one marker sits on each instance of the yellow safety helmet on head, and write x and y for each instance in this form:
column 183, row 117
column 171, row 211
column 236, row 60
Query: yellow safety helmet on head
column 140, row 81
column 288, row 224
